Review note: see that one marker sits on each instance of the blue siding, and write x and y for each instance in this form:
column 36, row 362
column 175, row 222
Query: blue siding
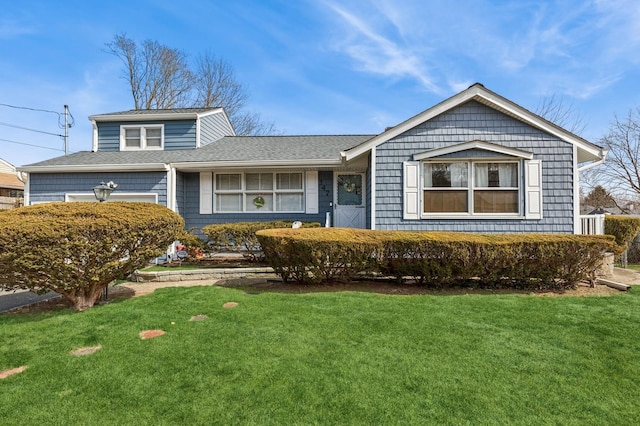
column 214, row 127
column 108, row 136
column 180, row 189
column 179, row 134
column 53, row 186
column 193, row 219
column 464, row 123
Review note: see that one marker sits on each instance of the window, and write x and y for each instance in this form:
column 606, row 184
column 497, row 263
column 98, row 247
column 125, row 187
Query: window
column 259, row 192
column 141, row 137
column 468, row 187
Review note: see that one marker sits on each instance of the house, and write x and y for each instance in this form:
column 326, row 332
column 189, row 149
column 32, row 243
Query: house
column 475, row 162
column 11, row 186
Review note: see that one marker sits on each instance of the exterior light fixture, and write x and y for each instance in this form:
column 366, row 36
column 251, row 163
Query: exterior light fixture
column 104, row 190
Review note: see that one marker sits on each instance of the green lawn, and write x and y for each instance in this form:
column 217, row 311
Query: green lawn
column 327, row 358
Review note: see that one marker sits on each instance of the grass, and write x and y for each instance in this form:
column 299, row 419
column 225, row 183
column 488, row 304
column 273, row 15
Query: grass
column 327, row 358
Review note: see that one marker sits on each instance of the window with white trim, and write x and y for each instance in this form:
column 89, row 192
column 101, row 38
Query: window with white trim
column 259, row 192
column 141, row 137
column 471, row 187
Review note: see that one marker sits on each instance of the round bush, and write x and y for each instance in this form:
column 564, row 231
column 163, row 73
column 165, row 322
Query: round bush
column 77, row 249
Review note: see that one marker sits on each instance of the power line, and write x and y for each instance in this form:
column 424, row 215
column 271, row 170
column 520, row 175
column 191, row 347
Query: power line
column 29, row 144
column 65, row 121
column 60, row 120
column 31, row 109
column 31, row 130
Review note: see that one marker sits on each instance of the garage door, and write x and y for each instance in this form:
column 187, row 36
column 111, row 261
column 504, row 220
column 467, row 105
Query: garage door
column 122, row 196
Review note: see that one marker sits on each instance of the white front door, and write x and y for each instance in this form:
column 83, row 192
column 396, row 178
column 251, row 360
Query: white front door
column 350, row 200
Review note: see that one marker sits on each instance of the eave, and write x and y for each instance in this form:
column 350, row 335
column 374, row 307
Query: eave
column 586, row 150
column 153, row 117
column 210, row 165
column 143, row 167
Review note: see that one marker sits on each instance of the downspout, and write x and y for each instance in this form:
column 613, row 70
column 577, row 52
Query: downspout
column 171, row 190
column 94, row 144
column 372, row 171
column 27, row 190
column 576, row 190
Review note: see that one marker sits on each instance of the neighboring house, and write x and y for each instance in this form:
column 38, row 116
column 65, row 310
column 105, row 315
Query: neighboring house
column 475, row 162
column 11, row 186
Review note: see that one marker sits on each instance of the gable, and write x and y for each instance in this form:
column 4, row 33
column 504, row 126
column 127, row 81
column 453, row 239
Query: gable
column 475, row 149
column 478, row 96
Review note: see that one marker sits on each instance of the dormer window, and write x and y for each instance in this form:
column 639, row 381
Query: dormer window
column 141, row 137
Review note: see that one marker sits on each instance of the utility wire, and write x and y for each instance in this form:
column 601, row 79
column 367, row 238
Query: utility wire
column 31, row 109
column 31, row 130
column 60, row 119
column 29, row 144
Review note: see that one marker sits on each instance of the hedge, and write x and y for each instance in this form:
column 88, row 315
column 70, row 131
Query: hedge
column 624, row 228
column 77, row 249
column 551, row 261
column 240, row 237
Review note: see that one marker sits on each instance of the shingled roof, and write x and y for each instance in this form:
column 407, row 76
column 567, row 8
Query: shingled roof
column 258, row 149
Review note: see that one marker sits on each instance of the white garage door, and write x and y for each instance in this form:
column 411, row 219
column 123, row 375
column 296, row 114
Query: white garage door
column 123, row 196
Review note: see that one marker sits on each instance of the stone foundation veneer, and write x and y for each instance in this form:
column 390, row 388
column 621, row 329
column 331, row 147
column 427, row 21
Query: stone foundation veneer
column 203, row 274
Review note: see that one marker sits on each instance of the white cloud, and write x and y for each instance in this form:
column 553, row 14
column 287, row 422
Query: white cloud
column 378, row 54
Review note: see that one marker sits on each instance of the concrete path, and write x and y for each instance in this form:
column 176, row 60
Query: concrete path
column 17, row 299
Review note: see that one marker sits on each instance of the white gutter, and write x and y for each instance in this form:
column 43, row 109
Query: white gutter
column 603, row 155
column 95, row 168
column 207, row 165
column 153, row 116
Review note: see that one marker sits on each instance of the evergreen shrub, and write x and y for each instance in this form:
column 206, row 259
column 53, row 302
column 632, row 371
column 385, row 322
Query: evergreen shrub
column 439, row 259
column 240, row 237
column 77, row 249
column 623, row 228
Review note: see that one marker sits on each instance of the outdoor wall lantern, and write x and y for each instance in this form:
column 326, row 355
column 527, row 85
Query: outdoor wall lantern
column 104, row 190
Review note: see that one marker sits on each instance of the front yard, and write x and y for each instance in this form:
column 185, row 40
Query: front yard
column 327, row 358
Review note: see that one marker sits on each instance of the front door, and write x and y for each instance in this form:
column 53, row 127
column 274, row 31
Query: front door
column 350, row 196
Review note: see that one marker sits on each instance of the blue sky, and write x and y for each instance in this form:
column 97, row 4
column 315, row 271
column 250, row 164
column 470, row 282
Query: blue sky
column 320, row 66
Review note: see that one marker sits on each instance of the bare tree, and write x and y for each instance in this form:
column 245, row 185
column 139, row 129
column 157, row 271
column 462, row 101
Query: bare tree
column 216, row 85
column 160, row 78
column 560, row 113
column 622, row 168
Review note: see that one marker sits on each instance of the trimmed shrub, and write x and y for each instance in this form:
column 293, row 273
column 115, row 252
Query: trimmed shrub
column 240, row 237
column 623, row 228
column 439, row 259
column 77, row 249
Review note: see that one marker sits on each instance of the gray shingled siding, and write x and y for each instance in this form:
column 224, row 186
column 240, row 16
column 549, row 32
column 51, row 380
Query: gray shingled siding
column 214, row 127
column 179, row 134
column 193, row 218
column 53, row 186
column 465, row 123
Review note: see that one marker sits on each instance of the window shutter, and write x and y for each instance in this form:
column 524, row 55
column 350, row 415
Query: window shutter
column 411, row 190
column 311, row 192
column 533, row 189
column 206, row 193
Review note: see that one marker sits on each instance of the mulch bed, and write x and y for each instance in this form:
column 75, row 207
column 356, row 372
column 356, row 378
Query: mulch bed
column 259, row 285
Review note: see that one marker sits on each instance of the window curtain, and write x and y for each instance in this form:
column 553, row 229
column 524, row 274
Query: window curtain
column 482, row 175
column 459, row 173
column 428, row 170
column 507, row 174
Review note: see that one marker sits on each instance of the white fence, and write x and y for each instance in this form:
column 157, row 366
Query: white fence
column 592, row 224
